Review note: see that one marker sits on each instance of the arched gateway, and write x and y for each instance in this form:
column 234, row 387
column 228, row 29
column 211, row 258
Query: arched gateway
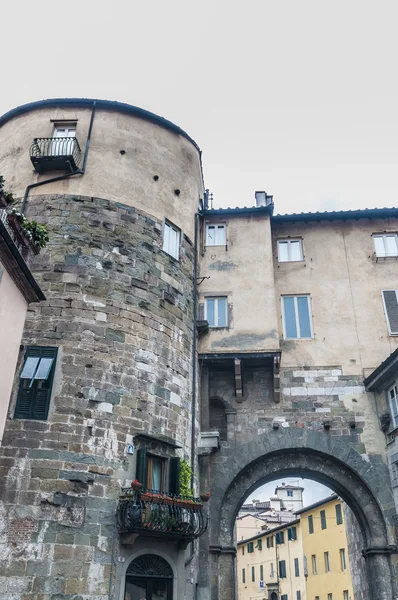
column 311, row 455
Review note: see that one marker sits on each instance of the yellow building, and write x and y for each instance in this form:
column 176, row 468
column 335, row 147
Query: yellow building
column 271, row 565
column 325, row 550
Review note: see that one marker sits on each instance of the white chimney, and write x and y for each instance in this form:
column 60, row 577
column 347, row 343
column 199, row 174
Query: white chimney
column 262, row 199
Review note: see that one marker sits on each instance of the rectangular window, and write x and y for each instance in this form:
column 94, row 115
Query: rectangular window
column 345, row 595
column 36, row 381
column 296, row 567
column 290, row 250
column 63, row 140
column 339, row 515
column 386, row 245
column 282, row 569
column 253, row 573
column 292, row 533
column 243, row 550
column 343, row 563
column 323, row 519
column 298, row 595
column 310, row 524
column 243, row 576
column 330, row 596
column 313, row 562
column 272, row 572
column 280, row 537
column 393, row 399
column 296, row 316
column 270, row 541
column 327, row 562
column 152, row 470
column 260, row 544
column 216, row 312
column 171, row 240
column 390, row 300
column 290, row 493
column 284, row 597
column 250, row 547
column 261, row 573
column 216, row 235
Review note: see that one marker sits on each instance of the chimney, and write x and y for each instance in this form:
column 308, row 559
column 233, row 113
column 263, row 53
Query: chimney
column 262, row 199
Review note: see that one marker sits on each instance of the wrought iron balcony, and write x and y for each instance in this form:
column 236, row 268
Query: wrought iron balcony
column 155, row 514
column 55, row 154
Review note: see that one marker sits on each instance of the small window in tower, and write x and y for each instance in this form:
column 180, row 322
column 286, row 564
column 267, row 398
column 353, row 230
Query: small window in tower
column 216, row 235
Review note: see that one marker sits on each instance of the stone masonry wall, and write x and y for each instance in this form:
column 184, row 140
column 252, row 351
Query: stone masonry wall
column 120, row 311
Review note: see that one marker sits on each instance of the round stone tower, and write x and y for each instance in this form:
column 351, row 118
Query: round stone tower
column 103, row 389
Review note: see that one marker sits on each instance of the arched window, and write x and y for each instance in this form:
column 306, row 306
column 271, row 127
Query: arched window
column 274, row 596
column 149, row 577
column 218, row 419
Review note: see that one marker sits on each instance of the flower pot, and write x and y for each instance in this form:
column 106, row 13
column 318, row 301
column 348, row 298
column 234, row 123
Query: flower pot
column 136, row 485
column 21, row 235
column 205, row 497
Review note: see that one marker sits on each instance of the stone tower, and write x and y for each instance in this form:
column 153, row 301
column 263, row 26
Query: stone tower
column 118, row 188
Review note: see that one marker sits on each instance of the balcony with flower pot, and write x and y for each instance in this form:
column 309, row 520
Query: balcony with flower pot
column 28, row 236
column 157, row 514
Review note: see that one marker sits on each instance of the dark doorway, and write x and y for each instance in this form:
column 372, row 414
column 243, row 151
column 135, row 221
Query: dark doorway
column 149, row 577
column 274, row 596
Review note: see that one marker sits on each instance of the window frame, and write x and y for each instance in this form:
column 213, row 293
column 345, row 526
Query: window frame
column 323, row 519
column 216, row 299
column 383, row 236
column 39, row 395
column 343, row 559
column 289, row 242
column 326, row 557
column 243, row 576
column 170, row 470
column 310, row 524
column 296, row 316
column 166, row 246
column 296, row 567
column 391, row 402
column 292, row 533
column 314, row 565
column 261, row 572
column 217, row 226
column 270, row 541
column 390, row 331
column 282, row 569
column 339, row 514
column 253, row 573
column 250, row 547
column 280, row 538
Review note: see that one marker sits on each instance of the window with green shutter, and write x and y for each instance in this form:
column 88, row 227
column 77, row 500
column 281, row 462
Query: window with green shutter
column 253, row 573
column 323, row 519
column 250, row 547
column 280, row 538
column 292, row 533
column 339, row 515
column 270, row 542
column 260, row 544
column 152, row 472
column 310, row 524
column 261, row 573
column 282, row 569
column 36, row 381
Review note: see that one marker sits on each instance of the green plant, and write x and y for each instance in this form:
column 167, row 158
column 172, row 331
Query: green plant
column 34, row 231
column 2, row 182
column 7, row 195
column 185, row 479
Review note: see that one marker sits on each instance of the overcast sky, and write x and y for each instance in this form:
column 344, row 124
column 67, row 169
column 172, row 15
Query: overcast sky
column 313, row 491
column 298, row 97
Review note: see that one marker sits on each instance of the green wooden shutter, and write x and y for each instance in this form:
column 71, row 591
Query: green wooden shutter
column 33, row 402
column 391, row 306
column 142, row 467
column 174, row 476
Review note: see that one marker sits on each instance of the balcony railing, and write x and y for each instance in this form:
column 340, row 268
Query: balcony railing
column 55, row 154
column 158, row 515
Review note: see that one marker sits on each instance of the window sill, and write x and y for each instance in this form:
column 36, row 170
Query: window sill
column 291, row 262
column 177, row 260
column 299, row 339
column 223, row 327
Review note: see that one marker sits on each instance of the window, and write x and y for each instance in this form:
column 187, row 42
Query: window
column 61, row 146
column 313, row 562
column 282, row 569
column 292, row 533
column 343, row 563
column 339, row 515
column 216, row 235
column 36, row 382
column 330, row 596
column 296, row 567
column 280, row 537
column 171, row 240
column 290, row 250
column 327, row 562
column 298, row 595
column 310, row 524
column 345, row 595
column 386, row 245
column 393, row 399
column 158, row 473
column 243, row 550
column 216, row 312
column 260, row 544
column 290, row 493
column 284, row 597
column 253, row 573
column 270, row 542
column 261, row 573
column 390, row 300
column 243, row 576
column 323, row 519
column 272, row 572
column 250, row 547
column 296, row 317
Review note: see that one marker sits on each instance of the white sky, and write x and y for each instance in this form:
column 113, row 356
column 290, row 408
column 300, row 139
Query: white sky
column 313, row 491
column 298, row 98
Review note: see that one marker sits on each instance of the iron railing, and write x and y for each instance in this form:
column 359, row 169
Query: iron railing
column 22, row 248
column 156, row 514
column 56, row 148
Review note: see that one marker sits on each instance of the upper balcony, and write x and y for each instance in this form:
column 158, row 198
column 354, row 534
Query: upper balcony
column 156, row 514
column 55, row 154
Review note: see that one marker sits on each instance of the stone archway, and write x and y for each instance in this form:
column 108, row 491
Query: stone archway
column 312, row 455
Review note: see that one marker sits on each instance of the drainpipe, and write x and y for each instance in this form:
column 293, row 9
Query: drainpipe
column 61, row 177
column 195, row 316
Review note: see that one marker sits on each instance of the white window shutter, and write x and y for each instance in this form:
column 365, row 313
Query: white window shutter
column 391, row 307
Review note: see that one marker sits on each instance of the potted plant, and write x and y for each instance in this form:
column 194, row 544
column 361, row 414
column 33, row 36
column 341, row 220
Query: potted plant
column 5, row 197
column 136, row 485
column 30, row 233
column 205, row 497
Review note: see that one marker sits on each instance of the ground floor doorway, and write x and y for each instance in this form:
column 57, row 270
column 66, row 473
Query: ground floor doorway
column 149, row 577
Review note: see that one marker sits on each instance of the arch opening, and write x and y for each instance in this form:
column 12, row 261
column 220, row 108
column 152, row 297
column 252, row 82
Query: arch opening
column 149, row 577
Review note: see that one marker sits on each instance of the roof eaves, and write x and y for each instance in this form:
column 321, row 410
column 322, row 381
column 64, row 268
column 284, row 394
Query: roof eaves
column 384, row 372
column 330, row 498
column 365, row 213
column 269, row 209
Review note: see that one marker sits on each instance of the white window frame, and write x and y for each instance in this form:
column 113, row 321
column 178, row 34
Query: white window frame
column 289, row 242
column 386, row 313
column 171, row 249
column 343, row 559
column 327, row 562
column 392, row 401
column 216, row 301
column 295, row 296
column 383, row 236
column 63, row 131
column 346, row 595
column 313, row 563
column 216, row 240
